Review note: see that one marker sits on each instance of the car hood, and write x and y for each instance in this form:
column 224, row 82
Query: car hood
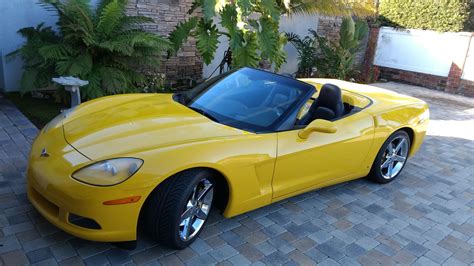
column 126, row 124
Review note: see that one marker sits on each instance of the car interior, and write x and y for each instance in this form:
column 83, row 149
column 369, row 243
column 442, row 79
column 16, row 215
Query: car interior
column 329, row 105
column 267, row 101
column 258, row 101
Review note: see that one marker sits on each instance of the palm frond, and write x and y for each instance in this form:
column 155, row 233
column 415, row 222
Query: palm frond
column 195, row 5
column 270, row 8
column 110, row 18
column 55, row 51
column 103, row 3
column 246, row 6
column 81, row 65
column 181, row 33
column 267, row 37
column 113, row 80
column 229, row 21
column 207, row 40
column 333, row 7
column 133, row 22
column 127, row 43
column 76, row 22
column 211, row 7
column 246, row 55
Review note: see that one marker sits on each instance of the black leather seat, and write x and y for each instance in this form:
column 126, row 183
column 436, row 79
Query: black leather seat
column 328, row 105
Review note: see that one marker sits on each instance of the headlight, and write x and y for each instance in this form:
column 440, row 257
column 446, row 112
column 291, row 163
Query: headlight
column 109, row 172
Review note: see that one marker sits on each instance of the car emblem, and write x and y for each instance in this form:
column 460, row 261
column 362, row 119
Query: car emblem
column 44, row 153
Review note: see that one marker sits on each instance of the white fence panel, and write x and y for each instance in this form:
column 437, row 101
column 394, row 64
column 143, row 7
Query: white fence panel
column 418, row 50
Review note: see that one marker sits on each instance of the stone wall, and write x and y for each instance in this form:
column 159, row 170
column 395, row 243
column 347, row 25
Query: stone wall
column 187, row 65
column 413, row 78
column 462, row 87
column 466, row 88
column 330, row 27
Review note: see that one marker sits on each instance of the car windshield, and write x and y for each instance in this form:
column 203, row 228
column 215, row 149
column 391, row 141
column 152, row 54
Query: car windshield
column 248, row 99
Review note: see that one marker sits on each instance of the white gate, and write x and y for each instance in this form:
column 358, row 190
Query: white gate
column 421, row 51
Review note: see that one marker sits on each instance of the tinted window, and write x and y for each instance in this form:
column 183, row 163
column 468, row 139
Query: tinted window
column 249, row 99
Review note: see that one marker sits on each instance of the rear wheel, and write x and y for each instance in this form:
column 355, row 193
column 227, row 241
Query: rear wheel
column 177, row 210
column 391, row 158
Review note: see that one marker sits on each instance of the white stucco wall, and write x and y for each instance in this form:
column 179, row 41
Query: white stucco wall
column 421, row 51
column 298, row 24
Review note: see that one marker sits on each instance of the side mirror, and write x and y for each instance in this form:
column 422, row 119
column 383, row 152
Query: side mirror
column 318, row 125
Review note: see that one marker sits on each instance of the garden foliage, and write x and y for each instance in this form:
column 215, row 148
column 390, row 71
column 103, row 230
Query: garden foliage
column 251, row 27
column 330, row 59
column 103, row 46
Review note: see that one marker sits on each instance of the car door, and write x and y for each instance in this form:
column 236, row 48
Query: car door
column 323, row 158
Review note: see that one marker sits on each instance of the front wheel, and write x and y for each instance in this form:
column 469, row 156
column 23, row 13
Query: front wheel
column 391, row 158
column 177, row 210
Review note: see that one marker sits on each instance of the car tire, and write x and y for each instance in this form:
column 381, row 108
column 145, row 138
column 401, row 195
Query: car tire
column 391, row 159
column 166, row 209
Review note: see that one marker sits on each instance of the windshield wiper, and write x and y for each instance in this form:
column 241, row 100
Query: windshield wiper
column 204, row 113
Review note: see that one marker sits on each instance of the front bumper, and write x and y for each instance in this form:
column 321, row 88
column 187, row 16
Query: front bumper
column 58, row 197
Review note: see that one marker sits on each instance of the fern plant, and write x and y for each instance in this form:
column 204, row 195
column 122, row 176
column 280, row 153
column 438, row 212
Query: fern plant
column 251, row 27
column 103, row 46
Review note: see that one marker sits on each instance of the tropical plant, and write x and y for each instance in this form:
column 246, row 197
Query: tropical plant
column 306, row 49
column 251, row 27
column 331, row 59
column 103, row 46
column 336, row 60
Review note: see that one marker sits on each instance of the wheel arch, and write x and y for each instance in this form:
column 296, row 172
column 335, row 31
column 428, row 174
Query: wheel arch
column 222, row 191
column 411, row 134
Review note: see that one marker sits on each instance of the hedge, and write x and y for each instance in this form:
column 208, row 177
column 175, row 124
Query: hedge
column 470, row 21
column 438, row 15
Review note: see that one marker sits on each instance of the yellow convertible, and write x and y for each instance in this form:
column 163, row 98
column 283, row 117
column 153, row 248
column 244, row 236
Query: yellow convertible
column 237, row 142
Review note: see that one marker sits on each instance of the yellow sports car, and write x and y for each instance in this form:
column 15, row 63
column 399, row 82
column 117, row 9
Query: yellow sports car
column 237, row 142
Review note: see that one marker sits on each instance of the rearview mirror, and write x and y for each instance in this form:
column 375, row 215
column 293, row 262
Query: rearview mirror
column 318, row 125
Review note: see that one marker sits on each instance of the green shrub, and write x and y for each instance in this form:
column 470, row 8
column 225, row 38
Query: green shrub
column 336, row 60
column 438, row 15
column 331, row 59
column 103, row 46
column 307, row 52
column 470, row 21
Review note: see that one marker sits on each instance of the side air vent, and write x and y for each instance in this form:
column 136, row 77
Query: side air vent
column 83, row 222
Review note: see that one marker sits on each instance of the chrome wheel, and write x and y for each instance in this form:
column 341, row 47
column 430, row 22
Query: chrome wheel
column 197, row 209
column 394, row 157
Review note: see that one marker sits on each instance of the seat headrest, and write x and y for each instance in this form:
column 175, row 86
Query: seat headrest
column 330, row 96
column 324, row 113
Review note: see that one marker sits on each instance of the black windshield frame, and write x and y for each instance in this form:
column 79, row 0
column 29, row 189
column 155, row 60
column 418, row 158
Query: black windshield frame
column 307, row 90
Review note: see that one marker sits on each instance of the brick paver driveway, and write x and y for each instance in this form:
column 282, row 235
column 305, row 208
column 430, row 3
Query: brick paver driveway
column 426, row 216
